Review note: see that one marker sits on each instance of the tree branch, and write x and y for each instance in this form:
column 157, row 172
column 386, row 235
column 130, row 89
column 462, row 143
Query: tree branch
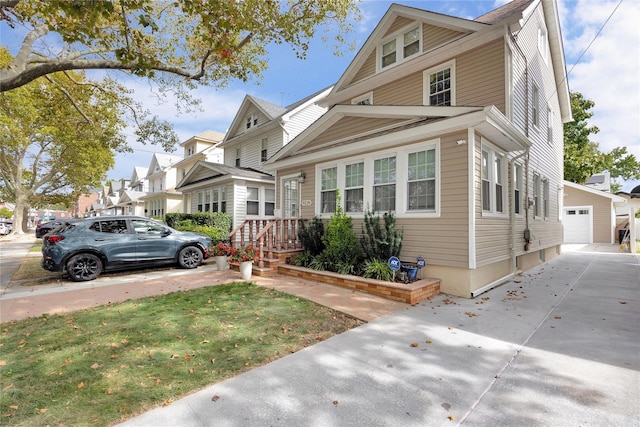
column 68, row 96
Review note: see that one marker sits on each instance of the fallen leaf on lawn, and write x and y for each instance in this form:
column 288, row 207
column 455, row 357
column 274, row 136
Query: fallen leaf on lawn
column 167, row 402
column 414, row 344
column 3, row 362
column 96, row 366
column 187, row 356
column 109, row 391
column 7, row 387
column 213, row 360
column 13, row 407
column 43, row 410
column 191, row 370
column 174, row 356
column 215, row 398
column 81, row 384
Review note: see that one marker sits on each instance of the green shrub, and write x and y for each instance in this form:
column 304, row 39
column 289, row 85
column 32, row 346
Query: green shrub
column 380, row 243
column 377, row 269
column 216, row 234
column 219, row 220
column 311, row 236
column 341, row 245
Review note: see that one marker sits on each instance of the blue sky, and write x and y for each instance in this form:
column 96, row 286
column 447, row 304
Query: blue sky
column 602, row 66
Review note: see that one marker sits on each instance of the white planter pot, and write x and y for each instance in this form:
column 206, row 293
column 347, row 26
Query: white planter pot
column 221, row 262
column 245, row 270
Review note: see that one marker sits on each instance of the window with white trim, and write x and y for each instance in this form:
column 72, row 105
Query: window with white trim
column 253, row 201
column 238, row 152
column 439, row 85
column 536, row 194
column 517, row 188
column 354, row 187
column 328, row 187
column 366, row 99
column 251, row 121
column 269, row 201
column 207, row 201
column 493, row 180
column 215, row 200
column 384, row 184
column 400, row 47
column 543, row 41
column 549, row 125
column 223, row 199
column 404, row 180
column 545, row 197
column 535, row 106
column 200, row 207
column 421, row 181
column 264, row 145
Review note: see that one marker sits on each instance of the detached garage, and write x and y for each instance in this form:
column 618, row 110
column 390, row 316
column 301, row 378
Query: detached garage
column 589, row 215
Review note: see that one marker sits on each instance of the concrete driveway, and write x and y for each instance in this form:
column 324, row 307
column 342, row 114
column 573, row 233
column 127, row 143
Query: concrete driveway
column 558, row 346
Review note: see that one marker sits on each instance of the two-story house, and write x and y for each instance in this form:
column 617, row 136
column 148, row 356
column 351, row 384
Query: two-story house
column 455, row 125
column 240, row 186
column 162, row 197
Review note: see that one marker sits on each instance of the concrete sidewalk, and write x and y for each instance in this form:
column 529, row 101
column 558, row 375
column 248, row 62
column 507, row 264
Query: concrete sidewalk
column 559, row 346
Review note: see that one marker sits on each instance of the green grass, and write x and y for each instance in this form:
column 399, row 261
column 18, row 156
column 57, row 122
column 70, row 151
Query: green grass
column 102, row 365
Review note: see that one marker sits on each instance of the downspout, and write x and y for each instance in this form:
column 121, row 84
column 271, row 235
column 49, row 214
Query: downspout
column 512, row 216
column 514, row 40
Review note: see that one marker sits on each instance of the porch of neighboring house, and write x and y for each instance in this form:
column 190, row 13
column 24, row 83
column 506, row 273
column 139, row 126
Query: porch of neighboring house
column 277, row 242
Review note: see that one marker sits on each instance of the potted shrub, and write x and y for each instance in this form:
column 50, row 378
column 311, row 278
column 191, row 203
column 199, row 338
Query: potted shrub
column 221, row 251
column 245, row 256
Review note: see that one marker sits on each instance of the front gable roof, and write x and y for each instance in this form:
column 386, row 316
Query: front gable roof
column 206, row 171
column 139, row 174
column 599, row 193
column 393, row 14
column 160, row 162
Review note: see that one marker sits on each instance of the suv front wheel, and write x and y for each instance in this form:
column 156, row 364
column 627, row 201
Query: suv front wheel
column 189, row 257
column 84, row 267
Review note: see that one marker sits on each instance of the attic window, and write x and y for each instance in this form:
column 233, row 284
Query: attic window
column 439, row 85
column 543, row 41
column 366, row 99
column 399, row 47
column 252, row 121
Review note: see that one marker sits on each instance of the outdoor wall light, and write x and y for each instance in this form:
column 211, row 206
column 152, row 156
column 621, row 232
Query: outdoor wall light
column 301, row 177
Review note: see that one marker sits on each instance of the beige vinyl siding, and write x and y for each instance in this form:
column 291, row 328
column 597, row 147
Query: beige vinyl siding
column 368, row 69
column 241, row 127
column 406, row 91
column 480, row 76
column 399, row 24
column 349, row 127
column 601, row 214
column 442, row 240
column 433, row 36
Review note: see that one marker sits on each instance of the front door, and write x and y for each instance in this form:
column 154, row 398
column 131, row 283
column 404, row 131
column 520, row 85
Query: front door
column 291, row 198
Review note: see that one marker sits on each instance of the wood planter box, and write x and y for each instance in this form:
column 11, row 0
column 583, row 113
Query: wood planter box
column 411, row 293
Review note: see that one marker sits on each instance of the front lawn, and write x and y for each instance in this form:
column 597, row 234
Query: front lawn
column 102, row 365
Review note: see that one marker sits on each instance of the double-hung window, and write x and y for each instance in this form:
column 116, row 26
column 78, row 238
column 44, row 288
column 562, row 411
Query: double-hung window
column 238, row 153
column 545, row 198
column 200, row 201
column 253, row 201
column 535, row 106
column 517, row 188
column 269, row 201
column 263, row 149
column 384, row 184
column 493, row 180
column 421, row 181
column 328, row 187
column 536, row 194
column 215, row 204
column 400, row 47
column 207, row 201
column 439, row 85
column 354, row 187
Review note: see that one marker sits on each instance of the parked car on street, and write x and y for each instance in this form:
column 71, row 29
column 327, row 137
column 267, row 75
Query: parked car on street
column 5, row 227
column 44, row 228
column 86, row 248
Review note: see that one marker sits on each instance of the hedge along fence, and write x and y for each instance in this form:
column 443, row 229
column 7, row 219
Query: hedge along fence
column 216, row 225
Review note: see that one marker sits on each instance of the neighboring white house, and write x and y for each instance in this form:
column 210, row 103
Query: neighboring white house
column 162, row 197
column 240, row 186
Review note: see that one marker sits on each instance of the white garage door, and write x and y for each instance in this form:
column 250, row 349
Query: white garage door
column 577, row 225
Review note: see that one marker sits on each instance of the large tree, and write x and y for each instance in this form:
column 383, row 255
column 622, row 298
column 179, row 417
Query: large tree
column 172, row 42
column 583, row 158
column 51, row 147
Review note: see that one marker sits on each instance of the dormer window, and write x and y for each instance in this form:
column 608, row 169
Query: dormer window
column 400, row 47
column 366, row 99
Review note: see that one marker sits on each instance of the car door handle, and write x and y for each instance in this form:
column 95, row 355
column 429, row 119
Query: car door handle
column 99, row 240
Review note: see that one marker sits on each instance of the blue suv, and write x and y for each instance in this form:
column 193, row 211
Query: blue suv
column 86, row 248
